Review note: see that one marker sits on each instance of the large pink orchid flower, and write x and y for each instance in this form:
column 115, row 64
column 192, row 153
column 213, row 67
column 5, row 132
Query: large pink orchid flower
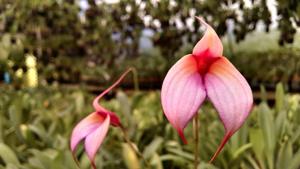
column 94, row 127
column 206, row 73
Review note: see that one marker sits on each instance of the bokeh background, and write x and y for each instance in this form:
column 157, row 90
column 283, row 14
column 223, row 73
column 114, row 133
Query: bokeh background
column 57, row 55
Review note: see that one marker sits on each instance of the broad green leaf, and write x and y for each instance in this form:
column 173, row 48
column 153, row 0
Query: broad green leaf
column 181, row 153
column 156, row 161
column 266, row 122
column 174, row 158
column 253, row 162
column 263, row 93
column 280, row 124
column 284, row 156
column 258, row 145
column 79, row 101
column 279, row 98
column 241, row 150
column 295, row 162
column 152, row 147
column 40, row 132
column 12, row 166
column 125, row 106
column 8, row 155
column 130, row 158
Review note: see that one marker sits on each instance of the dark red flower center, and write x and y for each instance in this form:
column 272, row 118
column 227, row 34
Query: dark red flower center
column 204, row 61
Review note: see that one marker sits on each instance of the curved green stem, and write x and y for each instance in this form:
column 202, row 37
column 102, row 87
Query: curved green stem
column 196, row 139
column 135, row 78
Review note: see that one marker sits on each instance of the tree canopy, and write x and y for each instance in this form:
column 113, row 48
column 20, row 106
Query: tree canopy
column 63, row 28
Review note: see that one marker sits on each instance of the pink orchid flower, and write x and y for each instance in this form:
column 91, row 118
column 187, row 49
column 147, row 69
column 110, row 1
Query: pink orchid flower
column 206, row 73
column 94, row 127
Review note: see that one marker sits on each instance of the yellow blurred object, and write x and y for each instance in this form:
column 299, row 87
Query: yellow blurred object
column 31, row 74
column 19, row 73
column 130, row 158
column 30, row 61
column 25, row 131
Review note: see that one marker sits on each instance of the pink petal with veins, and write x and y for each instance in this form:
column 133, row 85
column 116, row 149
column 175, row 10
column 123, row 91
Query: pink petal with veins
column 94, row 140
column 182, row 93
column 84, row 128
column 230, row 94
column 210, row 44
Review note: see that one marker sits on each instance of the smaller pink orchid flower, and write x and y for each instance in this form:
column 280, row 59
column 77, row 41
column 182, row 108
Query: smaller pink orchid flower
column 206, row 73
column 94, row 127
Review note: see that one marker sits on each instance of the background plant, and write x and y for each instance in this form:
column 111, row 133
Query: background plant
column 36, row 125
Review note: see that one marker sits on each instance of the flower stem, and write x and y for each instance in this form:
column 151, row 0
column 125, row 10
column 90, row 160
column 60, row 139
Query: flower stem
column 131, row 145
column 196, row 139
column 135, row 78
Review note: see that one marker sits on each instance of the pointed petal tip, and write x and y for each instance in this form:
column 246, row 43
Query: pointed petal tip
column 93, row 165
column 181, row 135
column 75, row 159
column 210, row 41
column 221, row 146
column 201, row 19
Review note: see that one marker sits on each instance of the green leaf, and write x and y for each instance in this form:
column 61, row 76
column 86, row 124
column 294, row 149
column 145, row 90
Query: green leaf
column 130, row 158
column 279, row 97
column 258, row 145
column 8, row 155
column 280, row 124
column 295, row 162
column 40, row 131
column 12, row 166
column 175, row 158
column 125, row 106
column 266, row 121
column 263, row 93
column 152, row 147
column 253, row 162
column 156, row 161
column 241, row 150
column 44, row 159
column 284, row 156
column 181, row 153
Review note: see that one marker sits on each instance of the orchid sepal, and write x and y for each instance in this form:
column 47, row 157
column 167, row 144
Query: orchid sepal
column 220, row 82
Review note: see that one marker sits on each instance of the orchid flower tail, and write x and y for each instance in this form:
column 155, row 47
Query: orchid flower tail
column 224, row 141
column 230, row 94
column 182, row 93
column 181, row 135
column 114, row 118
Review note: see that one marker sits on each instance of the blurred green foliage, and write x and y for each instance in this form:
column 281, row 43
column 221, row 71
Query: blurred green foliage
column 74, row 45
column 270, row 66
column 35, row 127
column 52, row 28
